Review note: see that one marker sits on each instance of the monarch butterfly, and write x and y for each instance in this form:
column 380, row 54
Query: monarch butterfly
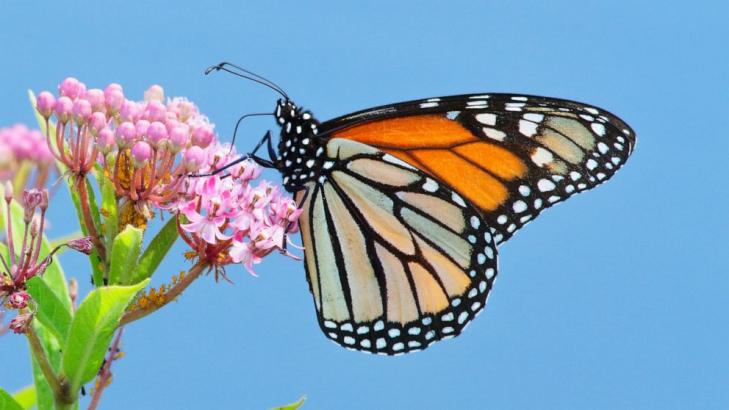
column 404, row 205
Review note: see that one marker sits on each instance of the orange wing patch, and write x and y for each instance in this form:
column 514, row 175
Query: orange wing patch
column 419, row 131
column 447, row 150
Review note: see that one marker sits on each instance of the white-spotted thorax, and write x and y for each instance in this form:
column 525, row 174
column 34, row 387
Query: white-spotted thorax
column 300, row 150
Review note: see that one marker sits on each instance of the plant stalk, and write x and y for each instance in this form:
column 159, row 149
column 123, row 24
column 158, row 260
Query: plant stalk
column 171, row 294
column 62, row 396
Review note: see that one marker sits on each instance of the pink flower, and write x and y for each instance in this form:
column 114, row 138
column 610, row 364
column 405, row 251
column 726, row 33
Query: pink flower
column 141, row 153
column 21, row 323
column 229, row 220
column 46, row 102
column 151, row 134
column 83, row 245
column 24, row 260
column 154, row 93
column 206, row 226
column 19, row 144
column 245, row 254
column 18, row 300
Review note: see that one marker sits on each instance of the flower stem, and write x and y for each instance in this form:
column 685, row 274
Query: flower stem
column 88, row 220
column 60, row 391
column 174, row 291
column 105, row 374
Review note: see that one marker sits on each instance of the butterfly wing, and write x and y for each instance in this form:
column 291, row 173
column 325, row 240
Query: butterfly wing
column 510, row 156
column 395, row 260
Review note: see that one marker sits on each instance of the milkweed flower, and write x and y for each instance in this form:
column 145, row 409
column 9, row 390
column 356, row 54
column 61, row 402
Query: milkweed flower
column 141, row 144
column 227, row 218
column 24, row 260
column 20, row 145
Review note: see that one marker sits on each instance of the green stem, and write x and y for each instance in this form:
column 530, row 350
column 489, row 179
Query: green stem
column 88, row 219
column 63, row 397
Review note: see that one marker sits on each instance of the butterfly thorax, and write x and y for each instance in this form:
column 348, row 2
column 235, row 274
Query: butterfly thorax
column 299, row 148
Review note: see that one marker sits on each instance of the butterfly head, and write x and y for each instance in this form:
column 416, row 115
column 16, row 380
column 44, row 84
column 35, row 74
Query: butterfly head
column 299, row 148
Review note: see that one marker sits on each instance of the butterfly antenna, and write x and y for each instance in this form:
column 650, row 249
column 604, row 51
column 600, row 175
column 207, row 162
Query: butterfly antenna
column 243, row 73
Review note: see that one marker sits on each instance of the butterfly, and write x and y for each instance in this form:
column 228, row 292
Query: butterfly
column 405, row 205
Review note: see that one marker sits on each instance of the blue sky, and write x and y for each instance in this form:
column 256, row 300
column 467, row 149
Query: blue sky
column 615, row 299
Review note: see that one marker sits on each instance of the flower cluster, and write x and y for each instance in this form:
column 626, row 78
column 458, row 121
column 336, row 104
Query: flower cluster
column 140, row 143
column 24, row 260
column 227, row 218
column 19, row 145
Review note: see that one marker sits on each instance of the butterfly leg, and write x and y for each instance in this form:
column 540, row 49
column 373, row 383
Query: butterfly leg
column 267, row 163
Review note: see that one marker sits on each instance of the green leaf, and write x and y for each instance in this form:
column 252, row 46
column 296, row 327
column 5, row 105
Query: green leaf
column 293, row 406
column 92, row 329
column 51, row 311
column 7, row 402
column 44, row 393
column 94, row 260
column 124, row 255
column 156, row 251
column 25, row 397
column 53, row 275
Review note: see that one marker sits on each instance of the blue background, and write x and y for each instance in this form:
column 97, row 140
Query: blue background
column 615, row 299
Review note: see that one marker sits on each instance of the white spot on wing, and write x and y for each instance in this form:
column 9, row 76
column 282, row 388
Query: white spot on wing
column 532, row 116
column 527, row 128
column 519, row 206
column 545, row 185
column 486, row 118
column 430, row 185
column 494, row 133
column 541, row 156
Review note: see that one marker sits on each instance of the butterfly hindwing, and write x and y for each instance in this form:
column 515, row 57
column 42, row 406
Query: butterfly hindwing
column 395, row 260
column 510, row 156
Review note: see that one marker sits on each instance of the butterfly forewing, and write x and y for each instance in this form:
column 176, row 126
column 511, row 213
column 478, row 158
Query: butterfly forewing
column 395, row 260
column 510, row 156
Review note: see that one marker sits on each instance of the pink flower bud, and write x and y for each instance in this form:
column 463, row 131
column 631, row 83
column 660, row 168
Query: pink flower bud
column 32, row 198
column 126, row 134
column 157, row 132
column 141, row 153
column 105, row 141
column 114, row 99
column 44, row 201
column 183, row 108
column 112, row 87
column 130, row 111
column 18, row 300
column 156, row 111
column 8, row 191
column 179, row 138
column 96, row 98
column 97, row 122
column 83, row 245
column 34, row 226
column 142, row 127
column 154, row 93
column 202, row 135
column 63, row 109
column 72, row 88
column 20, row 323
column 81, row 110
column 45, row 103
column 194, row 158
